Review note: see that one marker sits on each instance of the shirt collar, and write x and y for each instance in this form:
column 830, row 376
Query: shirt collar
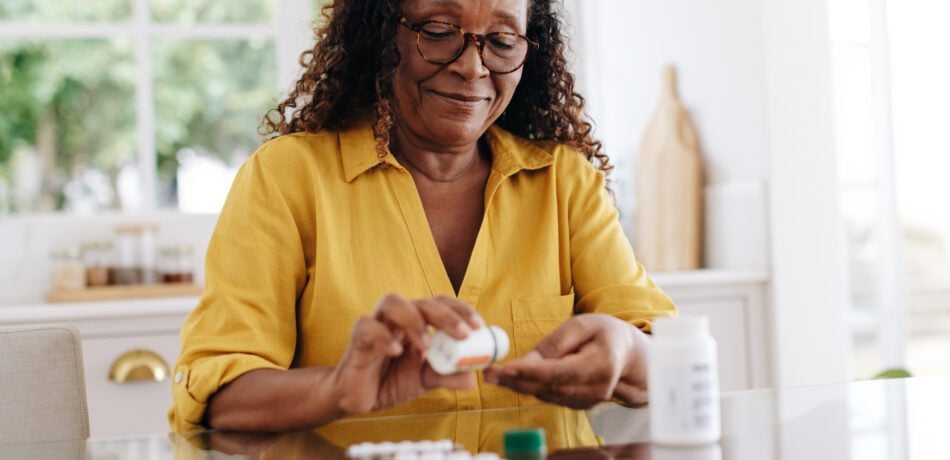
column 510, row 153
column 358, row 148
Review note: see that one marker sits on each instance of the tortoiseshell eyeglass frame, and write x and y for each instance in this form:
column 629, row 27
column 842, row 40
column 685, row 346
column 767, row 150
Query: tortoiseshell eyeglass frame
column 478, row 39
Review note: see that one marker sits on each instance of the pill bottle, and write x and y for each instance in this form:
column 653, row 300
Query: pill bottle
column 683, row 381
column 480, row 349
column 525, row 444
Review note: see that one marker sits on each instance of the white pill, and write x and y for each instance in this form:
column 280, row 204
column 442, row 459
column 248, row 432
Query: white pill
column 445, row 445
column 458, row 455
column 358, row 450
column 432, row 455
column 425, row 446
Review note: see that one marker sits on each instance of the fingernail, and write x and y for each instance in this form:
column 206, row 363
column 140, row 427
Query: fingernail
column 463, row 328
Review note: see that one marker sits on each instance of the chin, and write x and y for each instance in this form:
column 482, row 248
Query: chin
column 452, row 130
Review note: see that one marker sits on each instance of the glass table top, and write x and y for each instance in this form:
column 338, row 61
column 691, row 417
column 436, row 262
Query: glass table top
column 885, row 419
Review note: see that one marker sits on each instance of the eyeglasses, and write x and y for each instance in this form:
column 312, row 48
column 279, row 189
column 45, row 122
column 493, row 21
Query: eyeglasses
column 443, row 42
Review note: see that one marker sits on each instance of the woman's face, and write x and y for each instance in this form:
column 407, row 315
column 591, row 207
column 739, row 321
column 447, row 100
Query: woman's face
column 451, row 105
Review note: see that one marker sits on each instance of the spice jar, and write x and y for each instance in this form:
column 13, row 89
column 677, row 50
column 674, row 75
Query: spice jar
column 95, row 255
column 68, row 271
column 134, row 261
column 176, row 264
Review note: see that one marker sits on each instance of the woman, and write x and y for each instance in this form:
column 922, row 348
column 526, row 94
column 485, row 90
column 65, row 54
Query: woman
column 404, row 166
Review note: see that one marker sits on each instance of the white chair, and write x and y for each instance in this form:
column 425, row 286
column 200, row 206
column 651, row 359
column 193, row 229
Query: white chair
column 42, row 389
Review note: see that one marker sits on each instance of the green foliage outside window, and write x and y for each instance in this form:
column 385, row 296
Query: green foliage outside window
column 60, row 10
column 69, row 120
column 68, row 106
column 210, row 97
column 192, row 11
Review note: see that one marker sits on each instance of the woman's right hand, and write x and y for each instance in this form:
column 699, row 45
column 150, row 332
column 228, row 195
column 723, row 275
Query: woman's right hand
column 384, row 364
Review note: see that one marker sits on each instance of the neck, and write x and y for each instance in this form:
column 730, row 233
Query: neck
column 436, row 164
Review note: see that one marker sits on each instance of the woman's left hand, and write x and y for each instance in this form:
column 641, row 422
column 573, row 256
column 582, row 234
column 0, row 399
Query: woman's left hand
column 588, row 359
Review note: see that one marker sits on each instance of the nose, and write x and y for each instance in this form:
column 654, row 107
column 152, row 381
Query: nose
column 469, row 64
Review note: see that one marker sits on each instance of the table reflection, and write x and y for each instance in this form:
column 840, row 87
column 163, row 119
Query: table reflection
column 875, row 420
column 473, row 431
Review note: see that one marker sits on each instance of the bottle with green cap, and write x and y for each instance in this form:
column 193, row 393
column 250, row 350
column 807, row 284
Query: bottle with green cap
column 527, row 444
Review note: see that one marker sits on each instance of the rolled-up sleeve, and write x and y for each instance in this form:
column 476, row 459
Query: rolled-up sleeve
column 606, row 275
column 246, row 319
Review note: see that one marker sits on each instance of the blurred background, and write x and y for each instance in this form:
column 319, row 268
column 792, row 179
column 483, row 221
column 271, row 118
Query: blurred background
column 822, row 123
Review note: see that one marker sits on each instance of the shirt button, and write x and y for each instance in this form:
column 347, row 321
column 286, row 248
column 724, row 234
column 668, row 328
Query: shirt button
column 179, row 376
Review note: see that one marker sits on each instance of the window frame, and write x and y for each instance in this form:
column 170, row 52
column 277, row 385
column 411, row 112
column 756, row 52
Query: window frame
column 290, row 30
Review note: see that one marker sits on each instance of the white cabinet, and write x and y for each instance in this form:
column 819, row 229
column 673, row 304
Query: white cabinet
column 736, row 304
column 109, row 330
column 135, row 407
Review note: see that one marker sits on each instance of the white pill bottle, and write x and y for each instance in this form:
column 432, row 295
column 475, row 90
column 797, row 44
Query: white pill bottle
column 683, row 381
column 483, row 347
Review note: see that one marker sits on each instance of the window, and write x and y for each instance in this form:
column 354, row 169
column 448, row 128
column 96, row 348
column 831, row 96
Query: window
column 137, row 104
column 891, row 94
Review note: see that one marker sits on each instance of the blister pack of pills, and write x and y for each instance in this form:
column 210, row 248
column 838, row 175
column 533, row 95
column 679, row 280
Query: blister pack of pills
column 414, row 450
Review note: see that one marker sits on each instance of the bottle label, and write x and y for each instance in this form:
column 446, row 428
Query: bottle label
column 472, row 361
column 689, row 398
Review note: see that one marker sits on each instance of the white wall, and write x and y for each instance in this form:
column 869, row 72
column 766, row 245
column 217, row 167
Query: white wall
column 808, row 259
column 621, row 47
column 717, row 48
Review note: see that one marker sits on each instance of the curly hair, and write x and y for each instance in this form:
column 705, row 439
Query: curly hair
column 350, row 71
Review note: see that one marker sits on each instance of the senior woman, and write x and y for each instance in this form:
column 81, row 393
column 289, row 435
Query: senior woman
column 432, row 172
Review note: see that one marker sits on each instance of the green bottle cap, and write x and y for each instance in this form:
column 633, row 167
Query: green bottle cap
column 528, row 441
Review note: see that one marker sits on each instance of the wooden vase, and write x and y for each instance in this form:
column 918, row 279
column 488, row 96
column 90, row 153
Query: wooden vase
column 669, row 187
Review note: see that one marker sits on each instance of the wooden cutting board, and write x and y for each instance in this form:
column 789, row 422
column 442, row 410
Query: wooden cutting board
column 669, row 187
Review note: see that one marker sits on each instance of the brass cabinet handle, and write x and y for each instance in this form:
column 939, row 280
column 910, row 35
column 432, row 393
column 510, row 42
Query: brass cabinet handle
column 138, row 365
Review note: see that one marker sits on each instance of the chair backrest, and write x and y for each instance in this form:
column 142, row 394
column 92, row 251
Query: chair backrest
column 42, row 389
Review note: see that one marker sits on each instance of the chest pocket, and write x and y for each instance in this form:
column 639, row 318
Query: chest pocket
column 536, row 318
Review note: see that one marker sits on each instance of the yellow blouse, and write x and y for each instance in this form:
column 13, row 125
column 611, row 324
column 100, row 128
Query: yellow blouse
column 315, row 231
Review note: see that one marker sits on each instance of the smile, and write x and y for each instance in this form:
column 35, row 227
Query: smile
column 462, row 100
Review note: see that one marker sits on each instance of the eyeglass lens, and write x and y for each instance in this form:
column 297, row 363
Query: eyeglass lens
column 442, row 43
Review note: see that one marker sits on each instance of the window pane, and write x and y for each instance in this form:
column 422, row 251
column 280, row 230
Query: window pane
column 210, row 97
column 67, row 128
column 65, row 10
column 191, row 11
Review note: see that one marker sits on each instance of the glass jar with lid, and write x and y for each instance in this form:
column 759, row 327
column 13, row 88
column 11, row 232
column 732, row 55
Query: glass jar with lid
column 96, row 256
column 176, row 264
column 134, row 261
column 68, row 271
